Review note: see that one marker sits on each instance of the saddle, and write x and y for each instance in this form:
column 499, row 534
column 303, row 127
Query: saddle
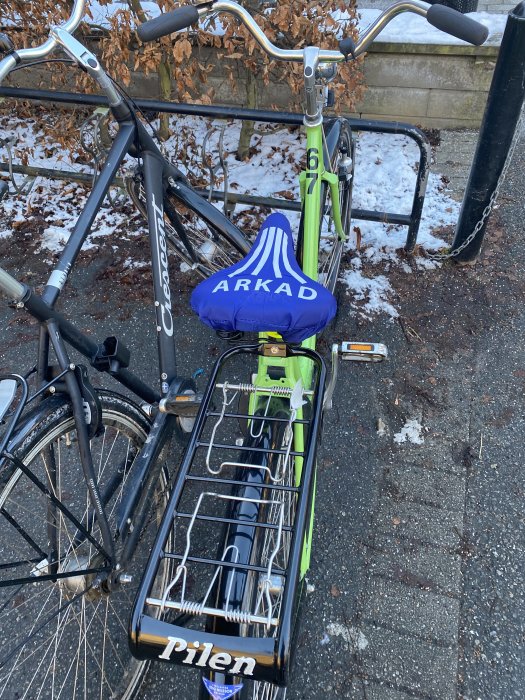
column 266, row 291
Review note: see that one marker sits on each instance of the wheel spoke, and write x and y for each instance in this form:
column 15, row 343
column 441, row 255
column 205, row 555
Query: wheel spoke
column 213, row 252
column 67, row 637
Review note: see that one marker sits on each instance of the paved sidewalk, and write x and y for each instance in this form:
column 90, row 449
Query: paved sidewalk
column 442, row 606
column 416, row 587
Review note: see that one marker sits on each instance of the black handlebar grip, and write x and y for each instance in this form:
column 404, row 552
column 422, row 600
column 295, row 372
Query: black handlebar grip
column 453, row 22
column 168, row 23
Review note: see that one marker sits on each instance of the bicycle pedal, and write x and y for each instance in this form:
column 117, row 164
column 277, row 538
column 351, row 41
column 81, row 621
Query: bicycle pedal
column 186, row 405
column 363, row 352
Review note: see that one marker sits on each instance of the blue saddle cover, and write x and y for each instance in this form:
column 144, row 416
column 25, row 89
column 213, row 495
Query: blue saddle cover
column 266, row 291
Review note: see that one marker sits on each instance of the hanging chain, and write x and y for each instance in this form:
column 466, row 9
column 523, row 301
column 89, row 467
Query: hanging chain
column 493, row 197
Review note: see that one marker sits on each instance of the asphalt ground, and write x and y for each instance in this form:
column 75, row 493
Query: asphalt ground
column 416, row 585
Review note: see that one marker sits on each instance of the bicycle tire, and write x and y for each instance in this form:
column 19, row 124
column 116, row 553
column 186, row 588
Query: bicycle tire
column 187, row 233
column 331, row 248
column 258, row 690
column 64, row 638
column 260, row 552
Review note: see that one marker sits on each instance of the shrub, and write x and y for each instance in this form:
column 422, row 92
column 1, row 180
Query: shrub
column 289, row 24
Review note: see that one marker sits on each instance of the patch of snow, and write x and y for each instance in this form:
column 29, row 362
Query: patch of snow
column 410, row 432
column 351, row 635
column 130, row 264
column 374, row 291
column 385, row 176
column 427, row 263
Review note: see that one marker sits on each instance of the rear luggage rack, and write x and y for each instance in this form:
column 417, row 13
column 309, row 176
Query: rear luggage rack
column 224, row 573
column 200, row 608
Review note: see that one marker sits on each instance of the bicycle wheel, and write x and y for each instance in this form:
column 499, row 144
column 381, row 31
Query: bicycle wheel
column 268, row 546
column 264, row 548
column 65, row 638
column 331, row 247
column 195, row 243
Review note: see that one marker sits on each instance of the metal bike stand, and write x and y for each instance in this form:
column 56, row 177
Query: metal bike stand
column 411, row 220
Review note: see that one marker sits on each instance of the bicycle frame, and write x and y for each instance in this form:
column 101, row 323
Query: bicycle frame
column 319, row 150
column 157, row 639
column 112, row 356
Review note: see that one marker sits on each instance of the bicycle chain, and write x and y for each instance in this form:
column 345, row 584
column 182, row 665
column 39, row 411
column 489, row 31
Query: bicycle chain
column 477, row 228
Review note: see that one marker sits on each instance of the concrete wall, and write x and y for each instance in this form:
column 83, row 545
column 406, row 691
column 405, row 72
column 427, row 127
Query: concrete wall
column 496, row 7
column 434, row 85
column 431, row 85
column 493, row 6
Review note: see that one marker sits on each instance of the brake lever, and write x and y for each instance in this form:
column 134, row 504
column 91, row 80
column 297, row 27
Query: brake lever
column 347, row 48
column 6, row 45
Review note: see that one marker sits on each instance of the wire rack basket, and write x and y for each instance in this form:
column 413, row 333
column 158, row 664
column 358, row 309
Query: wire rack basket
column 234, row 531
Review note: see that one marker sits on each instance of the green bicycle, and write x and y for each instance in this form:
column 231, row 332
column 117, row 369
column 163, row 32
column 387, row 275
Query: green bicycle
column 238, row 528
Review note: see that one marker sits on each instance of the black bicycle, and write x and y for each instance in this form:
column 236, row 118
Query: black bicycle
column 80, row 497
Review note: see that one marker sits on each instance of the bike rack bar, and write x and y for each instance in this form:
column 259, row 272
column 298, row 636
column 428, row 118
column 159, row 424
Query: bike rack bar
column 236, row 482
column 411, row 220
column 52, row 174
column 226, row 564
column 288, row 205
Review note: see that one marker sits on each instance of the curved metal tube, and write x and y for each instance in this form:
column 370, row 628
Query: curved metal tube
column 11, row 287
column 76, row 16
column 7, row 65
column 261, row 38
column 325, row 56
column 416, row 6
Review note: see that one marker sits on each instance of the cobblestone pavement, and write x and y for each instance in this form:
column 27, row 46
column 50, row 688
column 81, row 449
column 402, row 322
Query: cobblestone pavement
column 443, row 602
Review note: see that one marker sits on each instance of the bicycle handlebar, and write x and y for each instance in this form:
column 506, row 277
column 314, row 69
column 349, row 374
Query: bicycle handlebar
column 446, row 19
column 168, row 23
column 10, row 286
column 440, row 16
column 13, row 59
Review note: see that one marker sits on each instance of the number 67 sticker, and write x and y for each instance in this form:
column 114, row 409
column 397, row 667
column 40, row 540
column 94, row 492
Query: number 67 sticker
column 312, row 164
